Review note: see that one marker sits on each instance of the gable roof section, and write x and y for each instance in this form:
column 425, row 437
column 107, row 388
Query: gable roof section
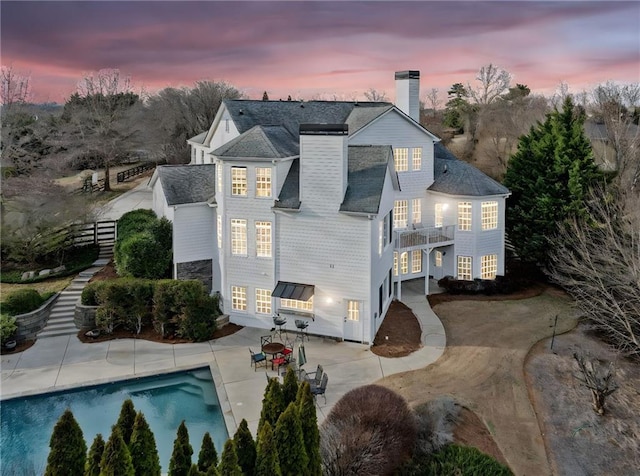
column 266, row 141
column 183, row 184
column 199, row 139
column 455, row 177
column 368, row 167
column 289, row 198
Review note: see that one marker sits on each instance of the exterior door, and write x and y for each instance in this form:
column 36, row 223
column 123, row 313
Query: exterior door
column 353, row 321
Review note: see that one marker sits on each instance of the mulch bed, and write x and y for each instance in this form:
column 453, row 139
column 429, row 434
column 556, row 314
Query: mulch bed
column 149, row 333
column 22, row 346
column 399, row 335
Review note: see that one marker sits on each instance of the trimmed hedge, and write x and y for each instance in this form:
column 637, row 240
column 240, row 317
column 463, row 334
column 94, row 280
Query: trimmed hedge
column 23, row 301
column 500, row 285
column 181, row 308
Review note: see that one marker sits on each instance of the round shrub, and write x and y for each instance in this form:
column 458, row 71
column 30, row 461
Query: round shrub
column 129, row 224
column 370, row 430
column 142, row 256
column 22, row 301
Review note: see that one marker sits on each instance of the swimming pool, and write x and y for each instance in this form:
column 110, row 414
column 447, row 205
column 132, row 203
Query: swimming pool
column 165, row 400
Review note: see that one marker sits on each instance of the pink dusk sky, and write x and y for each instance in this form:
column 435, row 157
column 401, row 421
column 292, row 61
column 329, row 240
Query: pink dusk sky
column 312, row 49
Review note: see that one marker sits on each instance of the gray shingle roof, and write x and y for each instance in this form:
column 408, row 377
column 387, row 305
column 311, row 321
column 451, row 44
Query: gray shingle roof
column 199, row 138
column 455, row 177
column 367, row 170
column 269, row 142
column 184, row 184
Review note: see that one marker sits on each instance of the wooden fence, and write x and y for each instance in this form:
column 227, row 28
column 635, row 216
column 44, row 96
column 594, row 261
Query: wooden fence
column 133, row 171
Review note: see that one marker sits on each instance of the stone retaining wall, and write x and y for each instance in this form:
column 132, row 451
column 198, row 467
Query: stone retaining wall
column 84, row 317
column 31, row 323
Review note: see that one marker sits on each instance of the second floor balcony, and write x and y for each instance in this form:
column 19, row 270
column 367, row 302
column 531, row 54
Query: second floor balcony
column 424, row 237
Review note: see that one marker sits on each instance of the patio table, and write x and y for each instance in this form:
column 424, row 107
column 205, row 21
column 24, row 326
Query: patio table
column 273, row 349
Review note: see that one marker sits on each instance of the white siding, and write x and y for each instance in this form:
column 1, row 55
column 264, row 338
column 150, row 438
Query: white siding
column 221, row 135
column 323, row 161
column 160, row 206
column 193, row 233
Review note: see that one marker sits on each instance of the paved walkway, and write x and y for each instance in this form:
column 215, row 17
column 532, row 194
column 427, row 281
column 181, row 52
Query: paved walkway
column 141, row 196
column 62, row 362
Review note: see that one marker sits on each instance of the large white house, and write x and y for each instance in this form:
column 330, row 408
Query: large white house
column 319, row 210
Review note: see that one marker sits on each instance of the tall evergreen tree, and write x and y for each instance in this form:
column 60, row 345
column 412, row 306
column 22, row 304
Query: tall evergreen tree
column 272, row 403
column 245, row 448
column 144, row 452
column 289, row 386
column 116, row 459
column 549, row 177
column 68, row 448
column 126, row 419
column 208, row 455
column 267, row 462
column 92, row 465
column 290, row 443
column 180, row 462
column 310, row 431
column 229, row 460
column 194, row 471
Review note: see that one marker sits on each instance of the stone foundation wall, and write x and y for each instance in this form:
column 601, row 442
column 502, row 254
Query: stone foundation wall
column 200, row 270
column 84, row 317
column 31, row 323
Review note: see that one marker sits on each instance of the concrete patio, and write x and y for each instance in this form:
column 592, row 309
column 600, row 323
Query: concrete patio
column 58, row 363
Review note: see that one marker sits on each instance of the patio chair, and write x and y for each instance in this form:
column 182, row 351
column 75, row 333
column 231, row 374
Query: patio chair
column 264, row 340
column 315, row 379
column 287, row 353
column 258, row 359
column 320, row 389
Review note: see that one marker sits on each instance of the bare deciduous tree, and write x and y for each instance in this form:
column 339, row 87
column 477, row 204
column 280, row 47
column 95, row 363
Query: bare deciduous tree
column 375, row 96
column 494, row 81
column 16, row 88
column 432, row 100
column 598, row 379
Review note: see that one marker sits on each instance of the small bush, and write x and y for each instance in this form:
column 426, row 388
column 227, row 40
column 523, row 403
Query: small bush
column 129, row 224
column 371, row 430
column 500, row 285
column 143, row 256
column 124, row 302
column 8, row 327
column 89, row 296
column 23, row 301
column 454, row 460
column 435, row 421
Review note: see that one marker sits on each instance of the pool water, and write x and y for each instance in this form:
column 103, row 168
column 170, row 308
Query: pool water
column 166, row 400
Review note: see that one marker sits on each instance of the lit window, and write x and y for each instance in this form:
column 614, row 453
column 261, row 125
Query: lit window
column 464, row 268
column 438, row 259
column 401, row 159
column 489, row 266
column 219, row 230
column 238, row 298
column 400, row 214
column 404, row 263
column 263, row 301
column 219, row 173
column 416, row 210
column 239, row 237
column 439, row 215
column 417, row 158
column 464, row 216
column 239, row 181
column 263, row 182
column 416, row 261
column 353, row 311
column 395, row 263
column 263, row 239
column 489, row 215
column 297, row 305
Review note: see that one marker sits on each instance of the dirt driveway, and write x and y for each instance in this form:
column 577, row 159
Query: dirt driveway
column 482, row 368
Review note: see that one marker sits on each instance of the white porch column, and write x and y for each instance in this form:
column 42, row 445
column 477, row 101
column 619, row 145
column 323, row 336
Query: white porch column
column 399, row 286
column 426, row 254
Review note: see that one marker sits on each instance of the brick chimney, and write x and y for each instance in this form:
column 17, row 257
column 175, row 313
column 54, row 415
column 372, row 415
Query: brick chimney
column 408, row 93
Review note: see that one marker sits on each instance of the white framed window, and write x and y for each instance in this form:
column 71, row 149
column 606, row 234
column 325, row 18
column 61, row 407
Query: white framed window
column 404, row 263
column 239, row 181
column 439, row 215
column 416, row 156
column 353, row 311
column 416, row 210
column 239, row 298
column 239, row 237
column 380, row 237
column 202, row 156
column 464, row 216
column 489, row 266
column 263, row 301
column 193, row 155
column 464, row 268
column 401, row 159
column 263, row 239
column 395, row 263
column 219, row 230
column 263, row 182
column 297, row 305
column 416, row 261
column 437, row 257
column 219, row 177
column 489, row 215
column 400, row 212
column 388, row 234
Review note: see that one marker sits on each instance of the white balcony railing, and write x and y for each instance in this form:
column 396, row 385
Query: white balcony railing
column 422, row 237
